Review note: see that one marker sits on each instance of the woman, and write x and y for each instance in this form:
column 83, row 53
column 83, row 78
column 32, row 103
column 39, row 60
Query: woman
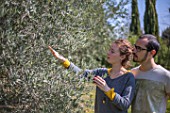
column 114, row 92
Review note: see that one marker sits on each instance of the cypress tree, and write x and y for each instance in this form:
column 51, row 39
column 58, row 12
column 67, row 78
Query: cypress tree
column 135, row 23
column 151, row 18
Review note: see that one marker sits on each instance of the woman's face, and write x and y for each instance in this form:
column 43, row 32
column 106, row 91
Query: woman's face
column 113, row 55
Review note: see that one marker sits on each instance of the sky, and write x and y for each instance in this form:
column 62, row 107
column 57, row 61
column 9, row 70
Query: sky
column 162, row 7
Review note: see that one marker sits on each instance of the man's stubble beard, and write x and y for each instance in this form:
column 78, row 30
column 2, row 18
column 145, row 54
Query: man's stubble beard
column 143, row 59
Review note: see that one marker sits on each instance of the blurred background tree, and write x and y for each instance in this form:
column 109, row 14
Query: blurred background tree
column 165, row 49
column 151, row 18
column 135, row 22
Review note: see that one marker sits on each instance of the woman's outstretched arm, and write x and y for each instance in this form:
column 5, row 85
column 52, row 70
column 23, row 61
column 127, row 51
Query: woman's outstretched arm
column 97, row 80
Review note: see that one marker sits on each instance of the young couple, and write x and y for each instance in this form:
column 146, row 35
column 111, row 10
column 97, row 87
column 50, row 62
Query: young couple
column 145, row 87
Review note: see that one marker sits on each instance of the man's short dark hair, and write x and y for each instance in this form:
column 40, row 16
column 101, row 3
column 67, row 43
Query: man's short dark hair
column 153, row 43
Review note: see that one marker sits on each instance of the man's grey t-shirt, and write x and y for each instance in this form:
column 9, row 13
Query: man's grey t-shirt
column 151, row 90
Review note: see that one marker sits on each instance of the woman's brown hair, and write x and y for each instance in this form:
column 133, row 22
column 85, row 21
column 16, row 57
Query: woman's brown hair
column 126, row 49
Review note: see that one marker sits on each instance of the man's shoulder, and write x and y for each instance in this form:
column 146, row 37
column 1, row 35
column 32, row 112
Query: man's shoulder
column 163, row 70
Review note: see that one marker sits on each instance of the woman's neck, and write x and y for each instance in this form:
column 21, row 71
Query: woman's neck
column 117, row 71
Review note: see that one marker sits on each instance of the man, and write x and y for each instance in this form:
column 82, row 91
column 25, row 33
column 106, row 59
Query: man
column 152, row 80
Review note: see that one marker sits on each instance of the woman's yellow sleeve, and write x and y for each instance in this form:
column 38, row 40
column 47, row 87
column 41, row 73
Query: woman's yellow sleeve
column 66, row 63
column 111, row 94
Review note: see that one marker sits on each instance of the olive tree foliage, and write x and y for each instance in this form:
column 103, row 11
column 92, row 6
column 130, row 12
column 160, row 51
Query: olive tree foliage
column 165, row 48
column 118, row 17
column 31, row 79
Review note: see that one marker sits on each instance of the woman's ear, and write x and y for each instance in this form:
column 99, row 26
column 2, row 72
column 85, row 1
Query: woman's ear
column 122, row 57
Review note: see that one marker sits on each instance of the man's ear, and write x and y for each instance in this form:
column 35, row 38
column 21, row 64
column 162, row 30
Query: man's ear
column 153, row 52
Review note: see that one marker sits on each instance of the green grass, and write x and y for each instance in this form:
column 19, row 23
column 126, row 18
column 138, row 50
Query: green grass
column 168, row 107
column 129, row 110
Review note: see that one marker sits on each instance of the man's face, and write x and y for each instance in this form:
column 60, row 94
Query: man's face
column 140, row 51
